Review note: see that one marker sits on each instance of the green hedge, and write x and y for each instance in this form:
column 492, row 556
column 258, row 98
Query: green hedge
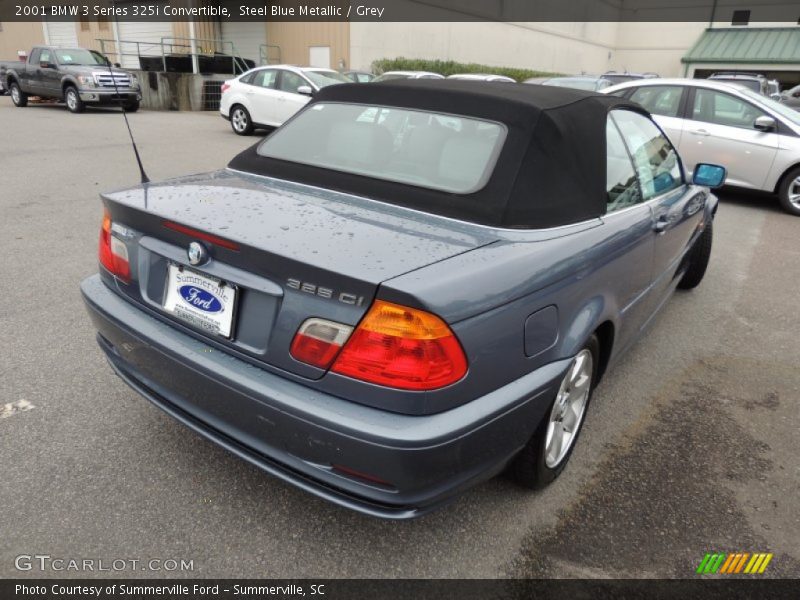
column 450, row 67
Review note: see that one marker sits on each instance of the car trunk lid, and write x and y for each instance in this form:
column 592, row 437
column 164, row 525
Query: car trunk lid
column 289, row 250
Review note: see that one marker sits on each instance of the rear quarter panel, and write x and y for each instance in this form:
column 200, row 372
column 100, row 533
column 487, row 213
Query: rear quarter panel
column 593, row 273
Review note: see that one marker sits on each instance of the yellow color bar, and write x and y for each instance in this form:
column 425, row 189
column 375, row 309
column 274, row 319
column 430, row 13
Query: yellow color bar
column 753, row 564
column 764, row 564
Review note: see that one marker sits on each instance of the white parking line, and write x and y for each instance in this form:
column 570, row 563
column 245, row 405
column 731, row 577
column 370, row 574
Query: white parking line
column 12, row 408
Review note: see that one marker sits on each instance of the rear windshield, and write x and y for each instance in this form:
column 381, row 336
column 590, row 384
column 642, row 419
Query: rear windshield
column 437, row 151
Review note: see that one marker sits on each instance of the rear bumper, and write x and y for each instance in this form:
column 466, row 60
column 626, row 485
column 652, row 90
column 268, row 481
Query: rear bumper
column 298, row 433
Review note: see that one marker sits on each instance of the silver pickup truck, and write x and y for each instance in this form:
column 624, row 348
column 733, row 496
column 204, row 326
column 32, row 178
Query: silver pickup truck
column 76, row 76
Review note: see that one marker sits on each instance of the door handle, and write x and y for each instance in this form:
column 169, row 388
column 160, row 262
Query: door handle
column 702, row 132
column 661, row 224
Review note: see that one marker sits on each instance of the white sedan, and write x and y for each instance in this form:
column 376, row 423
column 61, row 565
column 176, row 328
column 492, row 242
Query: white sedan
column 754, row 137
column 482, row 77
column 265, row 97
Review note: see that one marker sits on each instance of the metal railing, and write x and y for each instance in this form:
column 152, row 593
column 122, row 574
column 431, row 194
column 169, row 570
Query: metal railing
column 169, row 47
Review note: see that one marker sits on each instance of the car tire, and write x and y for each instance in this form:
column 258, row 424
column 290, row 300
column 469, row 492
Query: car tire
column 131, row 107
column 698, row 259
column 18, row 97
column 241, row 123
column 544, row 457
column 73, row 99
column 789, row 192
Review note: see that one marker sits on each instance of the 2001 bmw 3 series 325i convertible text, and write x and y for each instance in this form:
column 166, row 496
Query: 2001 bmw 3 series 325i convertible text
column 406, row 289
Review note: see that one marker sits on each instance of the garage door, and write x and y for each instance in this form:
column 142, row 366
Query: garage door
column 147, row 34
column 62, row 34
column 247, row 37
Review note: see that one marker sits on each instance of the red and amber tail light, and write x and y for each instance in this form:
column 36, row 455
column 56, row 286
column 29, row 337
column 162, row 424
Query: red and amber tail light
column 393, row 346
column 113, row 252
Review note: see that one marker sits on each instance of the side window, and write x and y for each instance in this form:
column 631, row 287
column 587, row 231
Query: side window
column 654, row 158
column 265, row 78
column 622, row 189
column 720, row 108
column 34, row 59
column 45, row 57
column 659, row 99
column 289, row 82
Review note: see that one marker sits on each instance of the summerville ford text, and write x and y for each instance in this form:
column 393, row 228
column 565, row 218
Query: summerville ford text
column 168, row 590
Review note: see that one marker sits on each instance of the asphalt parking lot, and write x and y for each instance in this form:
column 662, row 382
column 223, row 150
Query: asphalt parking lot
column 691, row 444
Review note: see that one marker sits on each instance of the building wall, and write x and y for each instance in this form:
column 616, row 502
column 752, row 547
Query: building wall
column 19, row 36
column 555, row 47
column 295, row 39
column 655, row 47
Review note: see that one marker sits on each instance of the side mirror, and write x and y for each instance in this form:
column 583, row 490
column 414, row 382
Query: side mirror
column 305, row 90
column 117, row 65
column 776, row 97
column 764, row 123
column 712, row 176
column 46, row 65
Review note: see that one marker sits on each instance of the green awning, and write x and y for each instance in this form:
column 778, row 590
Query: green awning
column 770, row 45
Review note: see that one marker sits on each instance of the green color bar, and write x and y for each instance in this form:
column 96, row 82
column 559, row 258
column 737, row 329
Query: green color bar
column 703, row 563
column 720, row 560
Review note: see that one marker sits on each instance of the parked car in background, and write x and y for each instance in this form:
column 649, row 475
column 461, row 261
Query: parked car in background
column 397, row 310
column 359, row 76
column 76, row 76
column 753, row 81
column 536, row 80
column 588, row 83
column 711, row 120
column 265, row 97
column 482, row 77
column 621, row 77
column 392, row 75
column 791, row 97
column 330, row 73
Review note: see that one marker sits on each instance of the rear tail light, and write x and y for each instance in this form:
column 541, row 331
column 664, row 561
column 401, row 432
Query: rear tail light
column 401, row 347
column 225, row 87
column 113, row 252
column 318, row 341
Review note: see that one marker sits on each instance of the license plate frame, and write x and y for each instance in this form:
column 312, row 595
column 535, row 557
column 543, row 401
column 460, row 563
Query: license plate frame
column 192, row 297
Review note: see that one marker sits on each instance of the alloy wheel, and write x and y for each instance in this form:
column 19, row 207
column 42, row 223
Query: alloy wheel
column 239, row 120
column 568, row 409
column 15, row 94
column 794, row 193
column 72, row 100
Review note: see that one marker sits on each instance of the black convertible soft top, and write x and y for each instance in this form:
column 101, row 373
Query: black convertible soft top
column 551, row 170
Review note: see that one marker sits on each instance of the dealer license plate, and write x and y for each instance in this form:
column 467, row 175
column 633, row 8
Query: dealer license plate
column 203, row 301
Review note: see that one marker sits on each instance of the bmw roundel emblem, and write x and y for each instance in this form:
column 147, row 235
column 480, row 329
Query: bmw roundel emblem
column 197, row 253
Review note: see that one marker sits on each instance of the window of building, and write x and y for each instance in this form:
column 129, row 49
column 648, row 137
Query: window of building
column 741, row 17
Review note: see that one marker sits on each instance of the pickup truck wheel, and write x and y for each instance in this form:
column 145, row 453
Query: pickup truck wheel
column 241, row 123
column 18, row 97
column 698, row 259
column 132, row 106
column 789, row 192
column 73, row 99
column 548, row 451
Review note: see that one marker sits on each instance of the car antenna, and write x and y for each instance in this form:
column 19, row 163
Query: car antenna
column 144, row 177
